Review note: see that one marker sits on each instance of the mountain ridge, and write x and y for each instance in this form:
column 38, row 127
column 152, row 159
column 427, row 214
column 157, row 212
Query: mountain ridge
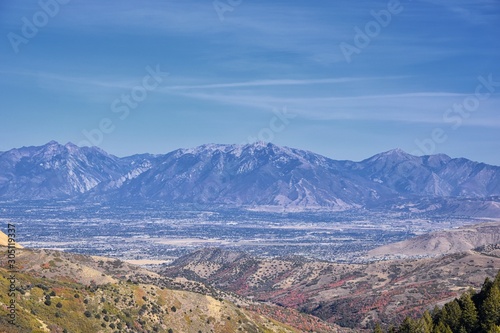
column 258, row 174
column 443, row 242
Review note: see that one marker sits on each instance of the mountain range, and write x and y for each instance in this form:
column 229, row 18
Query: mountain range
column 252, row 175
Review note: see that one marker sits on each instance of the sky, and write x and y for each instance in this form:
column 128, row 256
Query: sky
column 345, row 79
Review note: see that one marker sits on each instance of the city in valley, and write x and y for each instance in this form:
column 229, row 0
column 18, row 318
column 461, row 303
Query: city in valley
column 159, row 235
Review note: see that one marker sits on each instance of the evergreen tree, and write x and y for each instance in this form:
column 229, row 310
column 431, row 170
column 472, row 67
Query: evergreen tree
column 378, row 329
column 490, row 310
column 485, row 290
column 408, row 326
column 442, row 317
column 425, row 323
column 496, row 282
column 454, row 317
column 494, row 329
column 472, row 313
column 436, row 314
column 469, row 312
column 442, row 328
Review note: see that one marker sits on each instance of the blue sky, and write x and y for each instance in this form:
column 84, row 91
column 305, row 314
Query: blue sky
column 270, row 70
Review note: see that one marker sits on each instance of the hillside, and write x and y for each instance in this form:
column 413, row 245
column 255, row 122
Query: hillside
column 64, row 292
column 4, row 241
column 473, row 312
column 351, row 295
column 443, row 242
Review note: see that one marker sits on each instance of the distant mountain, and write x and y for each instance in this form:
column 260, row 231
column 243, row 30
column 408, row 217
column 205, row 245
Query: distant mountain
column 56, row 171
column 252, row 175
column 434, row 175
column 257, row 174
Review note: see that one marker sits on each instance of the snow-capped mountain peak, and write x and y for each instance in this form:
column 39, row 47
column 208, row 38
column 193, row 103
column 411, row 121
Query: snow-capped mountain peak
column 255, row 174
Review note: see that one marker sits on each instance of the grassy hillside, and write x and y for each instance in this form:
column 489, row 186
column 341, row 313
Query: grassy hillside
column 46, row 305
column 63, row 292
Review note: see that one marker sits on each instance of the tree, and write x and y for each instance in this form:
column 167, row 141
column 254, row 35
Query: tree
column 469, row 312
column 378, row 329
column 442, row 328
column 454, row 315
column 442, row 316
column 494, row 329
column 424, row 324
column 496, row 282
column 490, row 310
column 408, row 326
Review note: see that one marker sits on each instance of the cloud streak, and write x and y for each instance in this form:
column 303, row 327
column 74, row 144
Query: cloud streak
column 279, row 82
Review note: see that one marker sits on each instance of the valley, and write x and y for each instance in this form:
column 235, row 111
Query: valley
column 165, row 233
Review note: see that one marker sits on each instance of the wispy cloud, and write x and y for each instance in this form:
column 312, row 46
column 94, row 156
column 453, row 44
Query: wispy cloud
column 282, row 82
column 479, row 12
column 416, row 107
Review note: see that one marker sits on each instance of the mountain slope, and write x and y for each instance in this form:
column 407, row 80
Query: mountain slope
column 443, row 242
column 267, row 175
column 351, row 295
column 56, row 171
column 253, row 175
column 258, row 174
column 435, row 175
column 57, row 292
